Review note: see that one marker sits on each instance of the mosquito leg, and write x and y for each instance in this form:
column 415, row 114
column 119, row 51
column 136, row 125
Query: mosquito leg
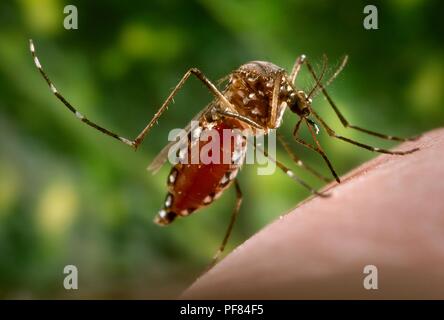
column 274, row 102
column 136, row 142
column 298, row 161
column 290, row 173
column 318, row 81
column 296, row 68
column 240, row 117
column 220, row 81
column 230, row 225
column 359, row 144
column 296, row 127
column 193, row 71
column 341, row 117
column 316, row 148
column 337, row 72
column 79, row 116
column 323, row 155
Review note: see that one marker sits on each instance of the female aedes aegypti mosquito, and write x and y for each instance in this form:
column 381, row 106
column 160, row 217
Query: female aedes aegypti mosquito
column 255, row 97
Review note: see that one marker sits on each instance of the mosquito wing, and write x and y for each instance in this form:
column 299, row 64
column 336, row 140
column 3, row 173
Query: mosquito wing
column 162, row 156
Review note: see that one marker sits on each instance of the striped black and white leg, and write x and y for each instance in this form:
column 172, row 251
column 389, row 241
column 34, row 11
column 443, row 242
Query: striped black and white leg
column 297, row 67
column 338, row 113
column 138, row 140
column 230, row 225
column 333, row 134
column 299, row 162
column 290, row 173
column 71, row 108
column 316, row 148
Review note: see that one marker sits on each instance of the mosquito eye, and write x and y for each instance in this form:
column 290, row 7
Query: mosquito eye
column 293, row 102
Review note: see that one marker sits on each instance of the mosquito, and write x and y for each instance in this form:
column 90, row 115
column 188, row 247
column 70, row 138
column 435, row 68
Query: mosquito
column 255, row 97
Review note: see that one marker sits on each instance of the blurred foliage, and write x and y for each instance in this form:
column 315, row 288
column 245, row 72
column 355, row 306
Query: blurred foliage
column 70, row 195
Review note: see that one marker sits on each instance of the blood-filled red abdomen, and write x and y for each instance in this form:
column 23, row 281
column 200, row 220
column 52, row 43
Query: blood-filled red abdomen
column 194, row 185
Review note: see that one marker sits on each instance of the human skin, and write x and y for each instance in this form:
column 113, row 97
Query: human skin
column 389, row 213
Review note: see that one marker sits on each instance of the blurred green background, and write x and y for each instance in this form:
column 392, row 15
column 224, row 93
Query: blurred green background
column 70, row 195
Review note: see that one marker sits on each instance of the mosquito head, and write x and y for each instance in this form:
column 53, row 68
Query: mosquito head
column 299, row 103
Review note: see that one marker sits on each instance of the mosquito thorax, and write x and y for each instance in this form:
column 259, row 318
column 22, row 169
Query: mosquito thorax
column 251, row 88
